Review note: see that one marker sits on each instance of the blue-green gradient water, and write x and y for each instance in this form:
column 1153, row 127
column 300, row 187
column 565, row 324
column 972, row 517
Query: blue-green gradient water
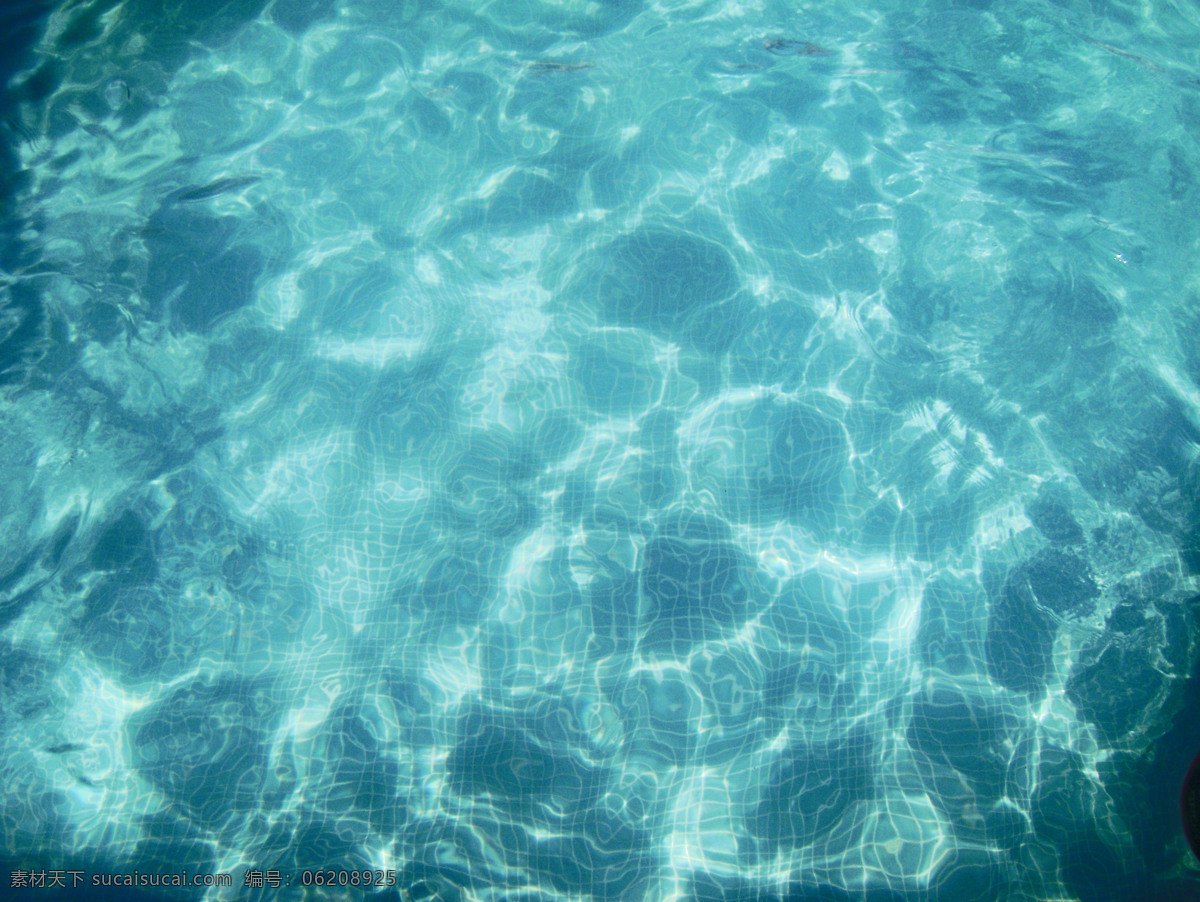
column 683, row 450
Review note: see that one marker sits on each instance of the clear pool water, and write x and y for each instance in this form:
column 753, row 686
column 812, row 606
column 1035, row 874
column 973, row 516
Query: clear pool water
column 624, row 450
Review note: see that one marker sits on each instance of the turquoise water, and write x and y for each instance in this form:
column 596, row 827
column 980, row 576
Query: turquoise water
column 601, row 450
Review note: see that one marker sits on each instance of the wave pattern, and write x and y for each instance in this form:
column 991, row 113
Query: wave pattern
column 601, row 450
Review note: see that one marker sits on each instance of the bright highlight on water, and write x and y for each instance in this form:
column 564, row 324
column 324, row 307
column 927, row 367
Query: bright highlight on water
column 680, row 451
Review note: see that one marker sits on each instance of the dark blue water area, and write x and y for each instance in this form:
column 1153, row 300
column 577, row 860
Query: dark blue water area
column 598, row 450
